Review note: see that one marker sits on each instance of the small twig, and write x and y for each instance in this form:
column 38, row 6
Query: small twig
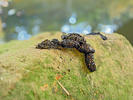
column 63, row 88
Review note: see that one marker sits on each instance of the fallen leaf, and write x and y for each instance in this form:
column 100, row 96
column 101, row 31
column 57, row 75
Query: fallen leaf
column 58, row 77
column 44, row 87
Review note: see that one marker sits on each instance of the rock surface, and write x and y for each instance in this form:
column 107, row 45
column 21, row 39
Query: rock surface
column 27, row 73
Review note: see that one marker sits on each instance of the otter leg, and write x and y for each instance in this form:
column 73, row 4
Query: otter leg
column 86, row 48
column 66, row 43
column 47, row 44
column 44, row 44
column 89, row 60
column 98, row 33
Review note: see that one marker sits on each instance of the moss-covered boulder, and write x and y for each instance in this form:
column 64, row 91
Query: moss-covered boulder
column 27, row 73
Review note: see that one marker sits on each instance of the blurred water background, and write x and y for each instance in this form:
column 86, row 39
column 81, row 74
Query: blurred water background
column 22, row 19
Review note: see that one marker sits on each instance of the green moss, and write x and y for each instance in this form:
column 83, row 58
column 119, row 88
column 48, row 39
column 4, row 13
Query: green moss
column 29, row 69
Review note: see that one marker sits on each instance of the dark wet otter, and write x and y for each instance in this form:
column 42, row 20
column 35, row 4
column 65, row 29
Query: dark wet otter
column 73, row 40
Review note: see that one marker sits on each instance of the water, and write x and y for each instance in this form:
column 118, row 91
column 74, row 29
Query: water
column 21, row 19
column 127, row 30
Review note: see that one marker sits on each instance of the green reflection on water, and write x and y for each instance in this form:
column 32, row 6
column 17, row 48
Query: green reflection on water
column 53, row 14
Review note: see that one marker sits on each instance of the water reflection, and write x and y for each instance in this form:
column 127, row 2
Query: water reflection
column 65, row 28
column 22, row 33
column 85, row 28
column 4, row 25
column 4, row 3
column 82, row 27
column 35, row 29
column 1, row 41
column 22, row 19
column 108, row 28
column 11, row 12
column 73, row 19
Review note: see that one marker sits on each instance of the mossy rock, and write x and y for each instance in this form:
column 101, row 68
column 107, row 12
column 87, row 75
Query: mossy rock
column 24, row 70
